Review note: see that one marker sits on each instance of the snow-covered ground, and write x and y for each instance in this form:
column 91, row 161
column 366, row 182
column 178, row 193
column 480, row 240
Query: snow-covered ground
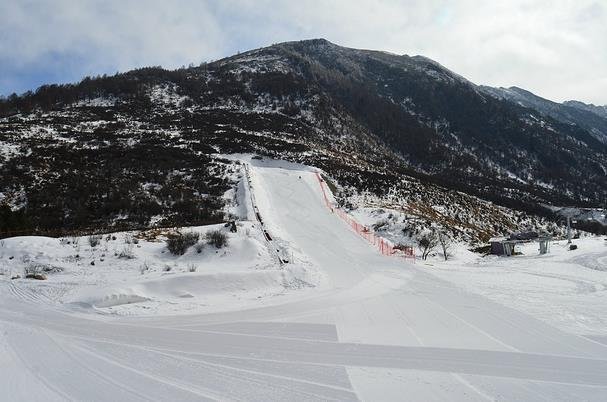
column 121, row 277
column 338, row 322
column 567, row 289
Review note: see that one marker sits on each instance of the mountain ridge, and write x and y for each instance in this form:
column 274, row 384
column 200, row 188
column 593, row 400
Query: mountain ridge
column 371, row 119
column 589, row 117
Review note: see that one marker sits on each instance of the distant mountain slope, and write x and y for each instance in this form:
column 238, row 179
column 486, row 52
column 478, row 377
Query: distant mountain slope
column 372, row 120
column 598, row 110
column 589, row 117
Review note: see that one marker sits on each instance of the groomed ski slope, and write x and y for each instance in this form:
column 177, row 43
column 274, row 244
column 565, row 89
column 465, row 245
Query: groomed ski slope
column 377, row 329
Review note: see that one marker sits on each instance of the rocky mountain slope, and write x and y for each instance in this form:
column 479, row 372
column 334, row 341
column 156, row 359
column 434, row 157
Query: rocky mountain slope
column 144, row 147
column 598, row 110
column 589, row 117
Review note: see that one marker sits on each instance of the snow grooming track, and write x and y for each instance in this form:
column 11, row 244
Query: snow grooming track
column 26, row 294
column 381, row 329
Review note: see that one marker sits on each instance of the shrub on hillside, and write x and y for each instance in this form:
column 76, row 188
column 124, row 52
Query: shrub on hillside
column 94, row 240
column 217, row 238
column 126, row 252
column 179, row 243
column 34, row 271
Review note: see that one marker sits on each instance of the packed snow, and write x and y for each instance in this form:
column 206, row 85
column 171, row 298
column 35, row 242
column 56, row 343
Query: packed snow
column 565, row 288
column 336, row 321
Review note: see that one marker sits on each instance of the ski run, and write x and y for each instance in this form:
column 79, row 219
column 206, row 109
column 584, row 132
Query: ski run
column 308, row 310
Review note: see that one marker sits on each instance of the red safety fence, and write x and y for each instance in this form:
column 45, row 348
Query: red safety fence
column 385, row 247
column 324, row 192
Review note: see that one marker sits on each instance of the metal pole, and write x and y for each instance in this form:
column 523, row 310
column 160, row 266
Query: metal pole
column 568, row 230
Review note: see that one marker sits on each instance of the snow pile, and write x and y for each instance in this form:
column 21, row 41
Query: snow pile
column 186, row 291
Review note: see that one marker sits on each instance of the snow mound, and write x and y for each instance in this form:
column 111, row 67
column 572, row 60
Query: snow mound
column 116, row 299
column 202, row 288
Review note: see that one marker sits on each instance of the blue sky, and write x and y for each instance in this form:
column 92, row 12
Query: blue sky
column 557, row 49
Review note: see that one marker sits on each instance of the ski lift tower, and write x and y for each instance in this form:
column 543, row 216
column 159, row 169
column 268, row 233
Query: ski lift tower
column 569, row 222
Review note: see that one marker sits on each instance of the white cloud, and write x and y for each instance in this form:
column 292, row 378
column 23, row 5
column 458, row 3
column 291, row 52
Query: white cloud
column 555, row 48
column 121, row 34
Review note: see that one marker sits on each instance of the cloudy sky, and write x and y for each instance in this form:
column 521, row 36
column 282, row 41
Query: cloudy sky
column 555, row 48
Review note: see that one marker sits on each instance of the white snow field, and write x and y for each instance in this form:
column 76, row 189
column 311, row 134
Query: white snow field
column 338, row 322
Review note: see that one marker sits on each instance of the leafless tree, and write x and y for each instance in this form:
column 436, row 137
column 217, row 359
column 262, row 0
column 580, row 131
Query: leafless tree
column 445, row 244
column 427, row 242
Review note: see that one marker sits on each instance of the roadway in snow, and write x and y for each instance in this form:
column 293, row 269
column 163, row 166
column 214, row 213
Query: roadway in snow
column 381, row 329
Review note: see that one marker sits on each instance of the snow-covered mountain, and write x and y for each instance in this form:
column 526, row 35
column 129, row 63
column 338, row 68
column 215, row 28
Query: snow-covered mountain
column 145, row 147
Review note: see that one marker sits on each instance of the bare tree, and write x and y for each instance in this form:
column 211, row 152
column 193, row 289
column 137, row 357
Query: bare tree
column 427, row 242
column 445, row 244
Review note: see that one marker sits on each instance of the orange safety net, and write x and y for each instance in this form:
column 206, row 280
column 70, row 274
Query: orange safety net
column 384, row 246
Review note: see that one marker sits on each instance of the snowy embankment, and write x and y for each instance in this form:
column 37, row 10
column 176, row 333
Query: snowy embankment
column 129, row 273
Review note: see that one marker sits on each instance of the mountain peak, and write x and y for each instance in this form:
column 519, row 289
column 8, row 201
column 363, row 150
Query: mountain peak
column 316, row 43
